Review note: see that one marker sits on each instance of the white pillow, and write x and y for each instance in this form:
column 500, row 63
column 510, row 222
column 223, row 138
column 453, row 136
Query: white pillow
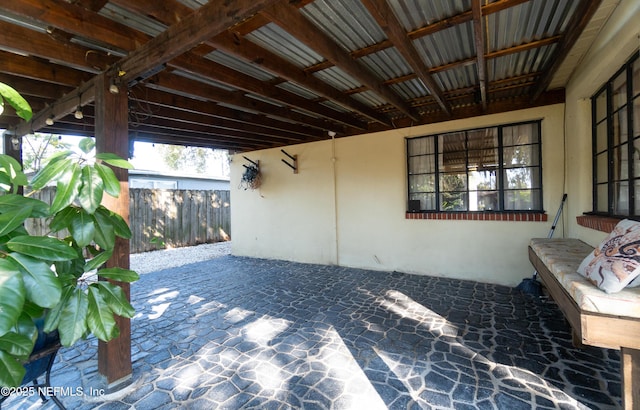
column 615, row 263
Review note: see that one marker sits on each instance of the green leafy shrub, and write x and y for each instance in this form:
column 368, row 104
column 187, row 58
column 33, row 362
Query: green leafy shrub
column 63, row 279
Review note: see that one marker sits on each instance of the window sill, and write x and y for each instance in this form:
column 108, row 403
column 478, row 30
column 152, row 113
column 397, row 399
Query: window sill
column 480, row 216
column 599, row 223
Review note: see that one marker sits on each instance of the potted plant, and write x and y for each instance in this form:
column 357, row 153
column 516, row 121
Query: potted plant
column 59, row 279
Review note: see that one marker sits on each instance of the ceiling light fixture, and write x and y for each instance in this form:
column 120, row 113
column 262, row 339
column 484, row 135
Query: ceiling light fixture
column 78, row 114
column 49, row 120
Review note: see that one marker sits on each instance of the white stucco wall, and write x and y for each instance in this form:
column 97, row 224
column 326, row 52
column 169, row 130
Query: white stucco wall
column 293, row 217
column 616, row 42
column 351, row 211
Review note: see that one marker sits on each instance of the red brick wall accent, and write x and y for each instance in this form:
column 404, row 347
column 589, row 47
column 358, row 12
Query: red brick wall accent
column 600, row 223
column 480, row 216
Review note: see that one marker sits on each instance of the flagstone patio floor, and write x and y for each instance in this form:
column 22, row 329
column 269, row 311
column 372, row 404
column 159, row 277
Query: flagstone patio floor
column 236, row 332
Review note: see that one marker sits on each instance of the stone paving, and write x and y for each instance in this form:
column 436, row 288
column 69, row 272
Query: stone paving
column 247, row 333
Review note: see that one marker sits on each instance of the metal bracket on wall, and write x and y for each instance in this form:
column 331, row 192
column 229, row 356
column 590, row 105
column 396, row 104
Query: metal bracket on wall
column 256, row 164
column 294, row 158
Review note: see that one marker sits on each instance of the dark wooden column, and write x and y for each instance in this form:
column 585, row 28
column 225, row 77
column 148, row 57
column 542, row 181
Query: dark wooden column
column 114, row 357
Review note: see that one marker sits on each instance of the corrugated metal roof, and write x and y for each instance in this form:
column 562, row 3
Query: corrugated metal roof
column 139, row 22
column 203, row 80
column 240, row 65
column 513, row 65
column 338, row 79
column 457, row 77
column 296, row 89
column 334, row 106
column 410, row 89
column 369, row 98
column 527, row 22
column 278, row 41
column 387, row 64
column 414, row 14
column 447, row 46
column 348, row 22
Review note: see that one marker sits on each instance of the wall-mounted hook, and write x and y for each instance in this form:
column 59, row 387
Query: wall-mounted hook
column 294, row 158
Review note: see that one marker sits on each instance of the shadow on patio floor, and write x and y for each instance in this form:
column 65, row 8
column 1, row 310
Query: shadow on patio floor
column 250, row 333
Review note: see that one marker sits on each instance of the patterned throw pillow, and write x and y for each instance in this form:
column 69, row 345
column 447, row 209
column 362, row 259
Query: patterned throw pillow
column 615, row 263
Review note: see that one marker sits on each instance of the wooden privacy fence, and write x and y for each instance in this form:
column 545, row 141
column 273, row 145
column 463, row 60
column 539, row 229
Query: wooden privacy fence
column 176, row 218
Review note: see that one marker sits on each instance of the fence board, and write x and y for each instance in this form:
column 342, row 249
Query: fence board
column 177, row 217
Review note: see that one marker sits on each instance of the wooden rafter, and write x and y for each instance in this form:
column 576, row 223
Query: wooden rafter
column 389, row 23
column 289, row 18
column 478, row 37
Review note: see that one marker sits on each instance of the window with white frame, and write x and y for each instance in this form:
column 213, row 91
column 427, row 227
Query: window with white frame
column 616, row 143
column 486, row 169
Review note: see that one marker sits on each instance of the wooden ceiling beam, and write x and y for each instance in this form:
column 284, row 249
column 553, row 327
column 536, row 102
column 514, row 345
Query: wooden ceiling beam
column 78, row 20
column 479, row 43
column 209, row 20
column 170, row 82
column 40, row 70
column 33, row 88
column 387, row 20
column 41, row 45
column 165, row 99
column 215, row 71
column 291, row 20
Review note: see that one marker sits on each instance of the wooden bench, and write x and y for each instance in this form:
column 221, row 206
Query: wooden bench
column 597, row 319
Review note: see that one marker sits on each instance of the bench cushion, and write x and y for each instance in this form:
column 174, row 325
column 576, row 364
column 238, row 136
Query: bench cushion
column 563, row 257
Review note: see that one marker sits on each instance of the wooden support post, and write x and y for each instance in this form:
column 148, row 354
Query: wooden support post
column 630, row 369
column 114, row 357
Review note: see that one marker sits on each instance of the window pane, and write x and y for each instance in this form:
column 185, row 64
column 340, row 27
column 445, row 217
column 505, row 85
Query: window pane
column 601, row 106
column 522, row 200
column 482, row 139
column 518, row 178
column 603, row 198
column 520, row 134
column 484, row 201
column 420, row 146
column 601, row 137
column 619, row 90
column 427, row 201
column 483, row 159
column 453, row 152
column 636, row 117
column 453, row 201
column 636, row 187
column 483, row 180
column 522, row 155
column 636, row 159
column 636, row 77
column 620, row 162
column 602, row 168
column 621, row 200
column 453, row 182
column 620, row 127
column 422, row 164
column 422, row 183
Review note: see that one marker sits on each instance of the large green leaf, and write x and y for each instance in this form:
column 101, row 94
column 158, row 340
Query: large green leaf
column 62, row 220
column 119, row 274
column 111, row 183
column 114, row 160
column 11, row 370
column 67, row 189
column 12, row 295
column 42, row 247
column 52, row 320
column 115, row 298
column 16, row 344
column 12, row 202
column 73, row 319
column 100, row 317
column 105, row 235
column 120, row 226
column 82, row 228
column 97, row 261
column 92, row 189
column 51, row 171
column 10, row 167
column 13, row 219
column 87, row 144
column 42, row 286
column 22, row 107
